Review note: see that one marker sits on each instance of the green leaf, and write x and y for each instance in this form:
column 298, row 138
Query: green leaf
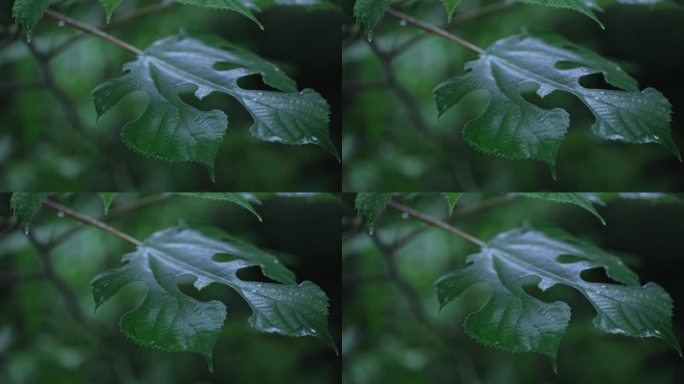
column 515, row 321
column 110, row 6
column 370, row 206
column 235, row 198
column 172, row 130
column 172, row 321
column 451, row 7
column 369, row 12
column 26, row 205
column 28, row 12
column 107, row 198
column 513, row 128
column 452, row 198
column 567, row 198
column 239, row 6
column 575, row 5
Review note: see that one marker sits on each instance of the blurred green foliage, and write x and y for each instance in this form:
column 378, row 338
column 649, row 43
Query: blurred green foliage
column 394, row 333
column 41, row 342
column 40, row 148
column 394, row 141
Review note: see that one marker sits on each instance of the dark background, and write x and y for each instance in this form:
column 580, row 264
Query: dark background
column 383, row 150
column 384, row 343
column 39, row 150
column 41, row 343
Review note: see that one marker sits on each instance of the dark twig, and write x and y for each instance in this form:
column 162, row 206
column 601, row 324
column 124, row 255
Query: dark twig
column 436, row 223
column 144, row 11
column 90, row 221
column 93, row 31
column 410, row 294
column 434, row 30
column 113, row 213
column 62, row 287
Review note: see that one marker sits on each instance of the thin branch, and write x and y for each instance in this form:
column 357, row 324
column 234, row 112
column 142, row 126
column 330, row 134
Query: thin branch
column 436, row 223
column 411, row 295
column 434, row 30
column 93, row 31
column 113, row 213
column 68, row 106
column 402, row 94
column 117, row 21
column 89, row 220
column 60, row 285
column 460, row 212
column 457, row 20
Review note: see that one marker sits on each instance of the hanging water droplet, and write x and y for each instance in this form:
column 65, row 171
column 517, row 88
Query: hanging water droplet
column 404, row 215
column 403, row 23
column 61, row 23
column 60, row 214
column 26, row 229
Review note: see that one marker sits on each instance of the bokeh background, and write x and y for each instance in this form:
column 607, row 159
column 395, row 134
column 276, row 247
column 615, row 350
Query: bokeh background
column 394, row 333
column 41, row 149
column 393, row 140
column 40, row 342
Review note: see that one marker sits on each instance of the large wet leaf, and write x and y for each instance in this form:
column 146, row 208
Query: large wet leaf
column 512, row 127
column 515, row 321
column 171, row 130
column 172, row 321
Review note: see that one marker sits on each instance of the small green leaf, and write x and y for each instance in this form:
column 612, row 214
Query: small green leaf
column 26, row 205
column 569, row 198
column 235, row 198
column 452, row 198
column 369, row 12
column 515, row 321
column 28, row 12
column 107, row 198
column 575, row 5
column 370, row 206
column 168, row 319
column 110, row 6
column 172, row 130
column 239, row 6
column 451, row 7
column 516, row 129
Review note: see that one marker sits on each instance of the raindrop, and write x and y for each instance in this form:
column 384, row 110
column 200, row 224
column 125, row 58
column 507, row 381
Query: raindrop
column 60, row 214
column 61, row 23
column 657, row 332
column 404, row 215
column 312, row 330
column 403, row 23
column 26, row 229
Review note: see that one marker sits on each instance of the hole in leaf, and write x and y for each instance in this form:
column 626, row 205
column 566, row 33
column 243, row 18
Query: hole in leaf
column 596, row 275
column 185, row 285
column 225, row 66
column 214, row 101
column 569, row 259
column 565, row 65
column 595, row 81
column 253, row 82
column 253, row 273
column 224, row 257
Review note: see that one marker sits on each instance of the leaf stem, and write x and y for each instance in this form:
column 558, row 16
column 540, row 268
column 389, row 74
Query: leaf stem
column 90, row 221
column 436, row 222
column 93, row 31
column 434, row 30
